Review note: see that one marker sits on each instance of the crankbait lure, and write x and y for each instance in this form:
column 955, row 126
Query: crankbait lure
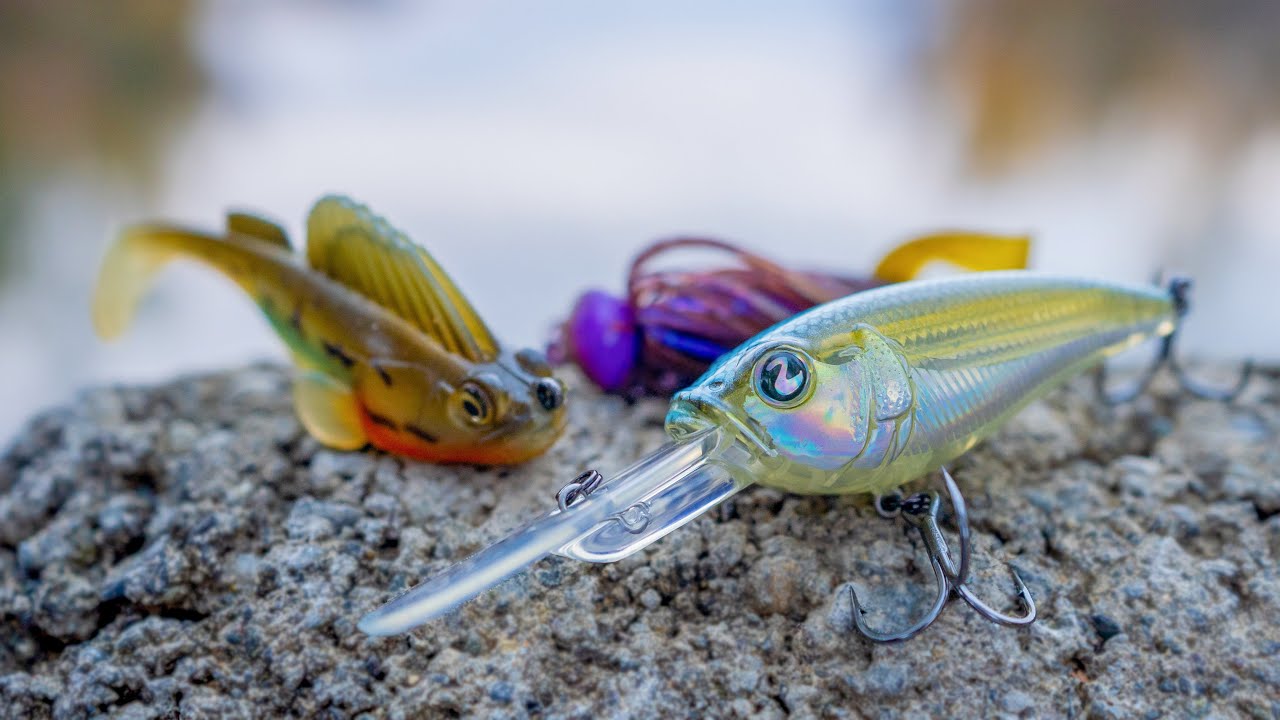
column 674, row 323
column 858, row 395
column 389, row 352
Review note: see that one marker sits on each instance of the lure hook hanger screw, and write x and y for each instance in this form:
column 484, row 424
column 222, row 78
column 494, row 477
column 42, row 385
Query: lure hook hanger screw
column 1180, row 292
column 921, row 512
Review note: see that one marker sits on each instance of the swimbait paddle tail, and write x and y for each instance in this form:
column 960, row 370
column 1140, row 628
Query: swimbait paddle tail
column 389, row 352
column 858, row 395
column 674, row 323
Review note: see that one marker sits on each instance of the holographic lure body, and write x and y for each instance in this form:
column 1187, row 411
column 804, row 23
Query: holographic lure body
column 389, row 351
column 874, row 390
column 858, row 395
column 674, row 323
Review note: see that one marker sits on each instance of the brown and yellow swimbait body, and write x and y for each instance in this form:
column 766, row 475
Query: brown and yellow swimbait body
column 389, row 352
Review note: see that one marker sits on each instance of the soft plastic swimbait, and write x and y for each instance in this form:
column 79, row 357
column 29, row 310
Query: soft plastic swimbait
column 389, row 352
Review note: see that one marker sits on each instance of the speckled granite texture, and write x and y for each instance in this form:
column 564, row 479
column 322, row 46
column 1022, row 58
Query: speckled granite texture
column 185, row 551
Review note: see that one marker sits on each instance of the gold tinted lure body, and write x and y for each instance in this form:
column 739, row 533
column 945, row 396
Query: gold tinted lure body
column 861, row 394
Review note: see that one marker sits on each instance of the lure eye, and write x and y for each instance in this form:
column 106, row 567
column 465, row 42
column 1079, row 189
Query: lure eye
column 782, row 378
column 473, row 402
column 550, row 393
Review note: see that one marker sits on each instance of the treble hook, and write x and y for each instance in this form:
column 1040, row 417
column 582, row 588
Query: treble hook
column 1180, row 293
column 921, row 511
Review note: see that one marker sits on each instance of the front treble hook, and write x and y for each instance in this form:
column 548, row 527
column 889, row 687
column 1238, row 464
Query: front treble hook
column 921, row 511
column 1180, row 293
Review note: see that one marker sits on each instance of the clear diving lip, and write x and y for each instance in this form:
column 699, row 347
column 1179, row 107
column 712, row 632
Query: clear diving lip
column 639, row 506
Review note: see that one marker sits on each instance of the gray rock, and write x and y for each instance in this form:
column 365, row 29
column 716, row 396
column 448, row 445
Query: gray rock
column 186, row 550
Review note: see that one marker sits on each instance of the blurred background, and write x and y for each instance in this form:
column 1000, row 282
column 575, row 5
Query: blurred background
column 534, row 148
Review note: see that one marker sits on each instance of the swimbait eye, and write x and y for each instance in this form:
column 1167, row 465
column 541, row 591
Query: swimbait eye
column 550, row 393
column 782, row 378
column 474, row 403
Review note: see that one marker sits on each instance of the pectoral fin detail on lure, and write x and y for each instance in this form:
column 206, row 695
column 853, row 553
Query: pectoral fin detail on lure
column 329, row 410
column 888, row 376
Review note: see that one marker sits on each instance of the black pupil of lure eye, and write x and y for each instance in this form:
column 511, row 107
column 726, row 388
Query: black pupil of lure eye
column 549, row 395
column 474, row 404
column 783, row 377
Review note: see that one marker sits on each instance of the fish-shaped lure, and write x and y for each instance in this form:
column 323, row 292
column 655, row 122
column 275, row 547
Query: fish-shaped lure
column 675, row 322
column 389, row 352
column 860, row 394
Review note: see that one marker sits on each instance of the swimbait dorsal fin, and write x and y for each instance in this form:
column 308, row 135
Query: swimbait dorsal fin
column 259, row 228
column 351, row 245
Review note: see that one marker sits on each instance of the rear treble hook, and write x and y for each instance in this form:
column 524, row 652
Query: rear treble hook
column 921, row 511
column 1180, row 293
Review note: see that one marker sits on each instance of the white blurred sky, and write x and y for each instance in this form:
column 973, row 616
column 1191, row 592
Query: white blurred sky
column 533, row 148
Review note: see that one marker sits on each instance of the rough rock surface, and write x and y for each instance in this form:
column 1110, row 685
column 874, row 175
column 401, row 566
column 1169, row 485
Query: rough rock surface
column 186, row 550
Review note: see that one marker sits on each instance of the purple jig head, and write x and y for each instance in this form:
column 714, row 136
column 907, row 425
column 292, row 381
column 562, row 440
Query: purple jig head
column 601, row 334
